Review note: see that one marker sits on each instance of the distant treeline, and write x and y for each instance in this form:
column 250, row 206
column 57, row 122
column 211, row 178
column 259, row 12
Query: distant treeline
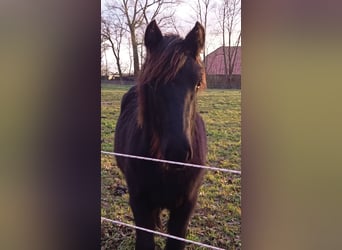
column 213, row 81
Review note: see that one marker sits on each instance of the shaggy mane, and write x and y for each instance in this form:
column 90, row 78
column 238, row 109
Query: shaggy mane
column 161, row 67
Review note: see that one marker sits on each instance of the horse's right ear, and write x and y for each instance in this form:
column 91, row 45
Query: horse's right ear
column 195, row 39
column 153, row 35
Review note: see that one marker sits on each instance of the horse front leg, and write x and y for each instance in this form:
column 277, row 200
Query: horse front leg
column 178, row 224
column 145, row 217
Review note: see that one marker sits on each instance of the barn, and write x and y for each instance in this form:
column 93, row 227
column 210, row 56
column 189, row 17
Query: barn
column 215, row 67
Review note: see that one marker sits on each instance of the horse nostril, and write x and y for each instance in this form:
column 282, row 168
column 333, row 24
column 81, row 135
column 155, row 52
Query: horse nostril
column 179, row 153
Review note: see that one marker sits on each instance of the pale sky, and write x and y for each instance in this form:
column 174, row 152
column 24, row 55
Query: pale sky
column 186, row 22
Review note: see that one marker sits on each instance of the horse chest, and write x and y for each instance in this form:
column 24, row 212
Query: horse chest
column 170, row 187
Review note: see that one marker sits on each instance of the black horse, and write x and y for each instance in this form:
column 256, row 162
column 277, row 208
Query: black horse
column 158, row 119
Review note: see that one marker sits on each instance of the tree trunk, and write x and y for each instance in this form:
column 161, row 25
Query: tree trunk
column 230, row 61
column 224, row 50
column 119, row 67
column 135, row 52
column 117, row 56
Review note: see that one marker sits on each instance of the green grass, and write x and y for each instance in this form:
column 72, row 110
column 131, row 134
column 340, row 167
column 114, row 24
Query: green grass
column 217, row 217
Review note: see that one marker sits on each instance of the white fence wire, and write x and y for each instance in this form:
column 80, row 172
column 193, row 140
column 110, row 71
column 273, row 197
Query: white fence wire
column 161, row 234
column 175, row 163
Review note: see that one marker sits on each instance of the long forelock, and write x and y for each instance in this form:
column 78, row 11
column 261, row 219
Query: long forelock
column 160, row 67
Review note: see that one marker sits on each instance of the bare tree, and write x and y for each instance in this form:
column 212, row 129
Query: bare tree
column 230, row 12
column 112, row 32
column 104, row 61
column 137, row 13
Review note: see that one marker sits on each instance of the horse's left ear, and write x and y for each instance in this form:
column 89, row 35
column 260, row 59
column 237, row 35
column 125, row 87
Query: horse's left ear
column 153, row 35
column 194, row 40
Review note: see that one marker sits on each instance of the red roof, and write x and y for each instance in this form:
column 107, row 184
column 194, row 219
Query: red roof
column 215, row 62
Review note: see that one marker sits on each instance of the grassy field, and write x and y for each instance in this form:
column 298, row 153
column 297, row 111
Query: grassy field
column 217, row 217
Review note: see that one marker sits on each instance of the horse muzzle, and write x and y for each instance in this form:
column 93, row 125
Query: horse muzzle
column 179, row 150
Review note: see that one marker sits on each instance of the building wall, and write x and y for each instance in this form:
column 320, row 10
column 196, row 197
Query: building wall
column 215, row 62
column 222, row 82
